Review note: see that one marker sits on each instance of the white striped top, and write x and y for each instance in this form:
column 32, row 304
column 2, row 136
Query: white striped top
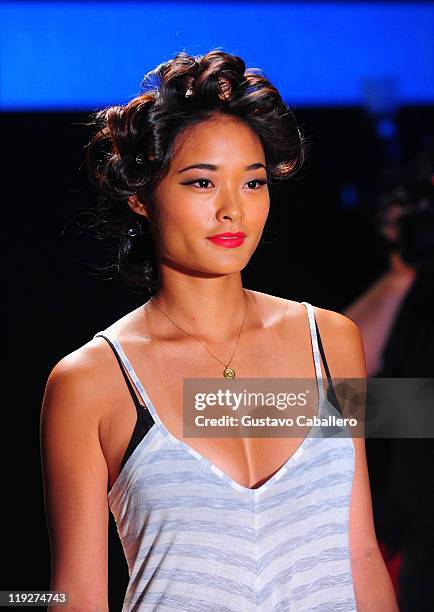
column 194, row 539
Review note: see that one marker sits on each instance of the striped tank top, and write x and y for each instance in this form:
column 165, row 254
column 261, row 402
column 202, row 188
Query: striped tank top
column 194, row 539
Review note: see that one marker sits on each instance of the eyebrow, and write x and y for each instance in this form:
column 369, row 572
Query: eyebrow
column 213, row 168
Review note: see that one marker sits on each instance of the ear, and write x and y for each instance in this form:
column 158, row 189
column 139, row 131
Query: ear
column 137, row 206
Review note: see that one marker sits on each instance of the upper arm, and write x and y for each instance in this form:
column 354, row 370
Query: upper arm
column 373, row 587
column 363, row 540
column 343, row 345
column 75, row 485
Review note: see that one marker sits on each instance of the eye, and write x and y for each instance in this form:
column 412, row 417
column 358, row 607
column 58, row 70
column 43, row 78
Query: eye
column 258, row 182
column 200, row 181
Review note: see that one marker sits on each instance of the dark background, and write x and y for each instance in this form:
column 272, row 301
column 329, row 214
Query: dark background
column 321, row 248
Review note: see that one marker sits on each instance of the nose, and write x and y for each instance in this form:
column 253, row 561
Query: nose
column 229, row 206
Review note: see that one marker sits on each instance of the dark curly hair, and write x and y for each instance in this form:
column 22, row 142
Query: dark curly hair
column 131, row 149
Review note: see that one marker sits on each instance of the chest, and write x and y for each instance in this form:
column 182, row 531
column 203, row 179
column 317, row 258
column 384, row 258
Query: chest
column 248, row 461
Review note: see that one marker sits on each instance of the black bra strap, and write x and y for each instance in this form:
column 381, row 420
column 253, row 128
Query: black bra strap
column 331, row 395
column 321, row 350
column 138, row 405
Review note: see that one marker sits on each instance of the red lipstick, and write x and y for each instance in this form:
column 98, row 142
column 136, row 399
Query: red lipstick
column 228, row 239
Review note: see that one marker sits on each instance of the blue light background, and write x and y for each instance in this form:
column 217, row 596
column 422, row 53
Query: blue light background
column 61, row 56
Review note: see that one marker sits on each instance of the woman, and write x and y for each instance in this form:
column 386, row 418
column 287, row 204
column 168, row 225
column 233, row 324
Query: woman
column 205, row 523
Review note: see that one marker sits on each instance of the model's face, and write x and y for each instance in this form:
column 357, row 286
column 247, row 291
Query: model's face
column 217, row 182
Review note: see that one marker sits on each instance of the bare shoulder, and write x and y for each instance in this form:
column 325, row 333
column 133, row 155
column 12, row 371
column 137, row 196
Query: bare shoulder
column 88, row 370
column 335, row 321
column 343, row 343
column 331, row 320
column 80, row 375
column 75, row 397
column 340, row 336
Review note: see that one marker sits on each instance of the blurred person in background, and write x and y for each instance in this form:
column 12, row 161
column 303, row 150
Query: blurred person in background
column 396, row 319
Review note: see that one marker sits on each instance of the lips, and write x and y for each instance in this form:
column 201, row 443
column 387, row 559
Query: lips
column 229, row 235
column 228, row 239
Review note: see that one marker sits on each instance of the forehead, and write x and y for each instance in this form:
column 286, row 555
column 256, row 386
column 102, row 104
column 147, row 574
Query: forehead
column 219, row 139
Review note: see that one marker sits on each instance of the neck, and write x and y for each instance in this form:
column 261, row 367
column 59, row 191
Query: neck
column 212, row 310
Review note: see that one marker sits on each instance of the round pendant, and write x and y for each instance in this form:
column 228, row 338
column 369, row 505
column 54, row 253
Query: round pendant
column 229, row 373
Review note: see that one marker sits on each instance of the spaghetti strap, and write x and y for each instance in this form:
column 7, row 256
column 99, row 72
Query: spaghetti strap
column 144, row 421
column 316, row 340
column 315, row 349
column 123, row 359
column 137, row 404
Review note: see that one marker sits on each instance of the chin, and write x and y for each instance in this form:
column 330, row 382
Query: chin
column 221, row 269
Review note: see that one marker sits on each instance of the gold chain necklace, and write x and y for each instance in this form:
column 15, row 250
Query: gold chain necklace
column 228, row 372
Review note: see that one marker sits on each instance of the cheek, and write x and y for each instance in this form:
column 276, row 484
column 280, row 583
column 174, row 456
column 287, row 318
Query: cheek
column 185, row 218
column 182, row 221
column 261, row 211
